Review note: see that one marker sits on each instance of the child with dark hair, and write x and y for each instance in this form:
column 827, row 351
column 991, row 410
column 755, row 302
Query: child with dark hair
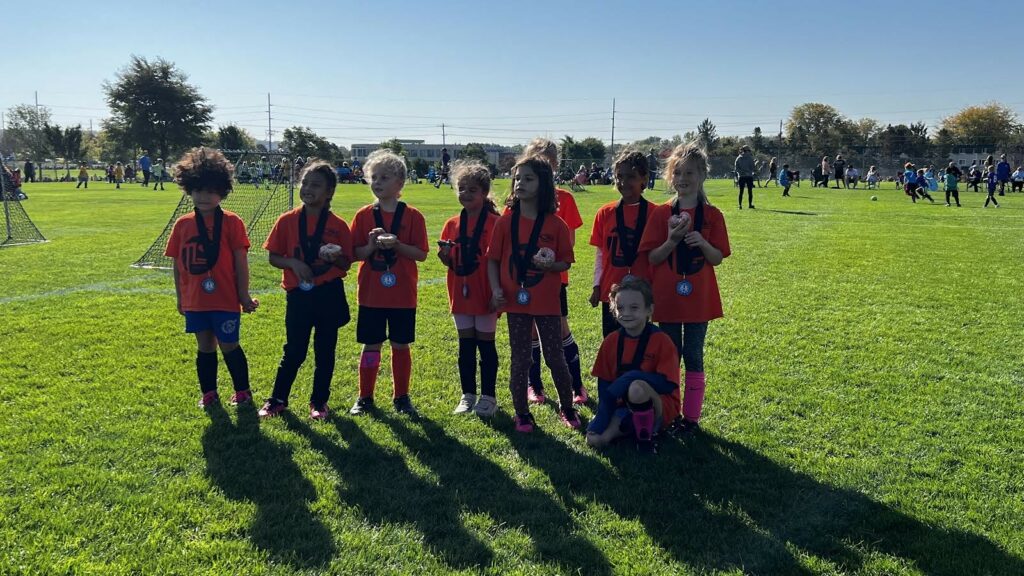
column 529, row 247
column 642, row 394
column 462, row 249
column 211, row 272
column 784, row 180
column 921, row 182
column 618, row 227
column 951, row 188
column 313, row 247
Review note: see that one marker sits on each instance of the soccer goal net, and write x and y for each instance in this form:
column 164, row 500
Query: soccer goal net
column 262, row 191
column 18, row 227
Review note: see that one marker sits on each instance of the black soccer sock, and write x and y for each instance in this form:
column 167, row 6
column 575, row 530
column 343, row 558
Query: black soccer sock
column 572, row 358
column 488, row 367
column 206, row 369
column 238, row 367
column 534, row 376
column 467, row 365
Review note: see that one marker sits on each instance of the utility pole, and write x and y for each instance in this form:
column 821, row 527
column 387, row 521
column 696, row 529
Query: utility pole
column 443, row 141
column 270, row 130
column 613, row 128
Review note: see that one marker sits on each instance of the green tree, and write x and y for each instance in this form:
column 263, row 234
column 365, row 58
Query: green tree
column 231, row 137
column 822, row 127
column 707, row 135
column 474, row 151
column 595, row 149
column 26, row 130
column 153, row 106
column 302, row 141
column 66, row 143
column 991, row 125
column 757, row 140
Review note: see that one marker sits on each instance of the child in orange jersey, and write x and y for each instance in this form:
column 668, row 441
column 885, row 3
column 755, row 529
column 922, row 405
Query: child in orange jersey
column 529, row 247
column 463, row 249
column 684, row 240
column 211, row 272
column 389, row 237
column 313, row 247
column 618, row 228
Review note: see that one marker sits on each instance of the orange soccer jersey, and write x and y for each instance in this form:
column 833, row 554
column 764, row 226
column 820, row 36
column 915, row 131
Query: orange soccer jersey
column 569, row 212
column 704, row 303
column 471, row 292
column 617, row 246
column 543, row 287
column 284, row 241
column 189, row 256
column 412, row 231
column 660, row 357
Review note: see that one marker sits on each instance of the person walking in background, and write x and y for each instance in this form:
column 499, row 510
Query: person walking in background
column 773, row 173
column 745, row 171
column 146, row 165
column 158, row 174
column 30, row 171
column 652, row 169
column 1002, row 174
column 840, row 168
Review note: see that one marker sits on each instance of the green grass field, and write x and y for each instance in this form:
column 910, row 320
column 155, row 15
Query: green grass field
column 864, row 414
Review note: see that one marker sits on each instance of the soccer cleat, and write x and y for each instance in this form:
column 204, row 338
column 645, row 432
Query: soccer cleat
column 241, row 397
column 209, row 399
column 570, row 418
column 272, row 407
column 581, row 397
column 403, row 405
column 524, row 423
column 465, row 404
column 646, row 447
column 486, row 406
column 689, row 428
column 363, row 405
column 535, row 397
column 319, row 412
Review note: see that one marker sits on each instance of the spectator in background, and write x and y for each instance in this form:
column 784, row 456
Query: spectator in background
column 773, row 173
column 840, row 168
column 1017, row 179
column 30, row 171
column 158, row 174
column 652, row 169
column 955, row 171
column 745, row 170
column 852, row 177
column 1002, row 173
column 826, row 171
column 146, row 165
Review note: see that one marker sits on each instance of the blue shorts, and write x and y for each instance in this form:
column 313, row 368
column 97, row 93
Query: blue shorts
column 225, row 325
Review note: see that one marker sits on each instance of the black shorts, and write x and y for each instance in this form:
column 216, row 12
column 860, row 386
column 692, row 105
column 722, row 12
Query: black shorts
column 375, row 325
column 563, row 299
column 325, row 304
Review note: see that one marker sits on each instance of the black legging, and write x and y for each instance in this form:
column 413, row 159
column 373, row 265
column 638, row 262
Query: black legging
column 747, row 181
column 955, row 194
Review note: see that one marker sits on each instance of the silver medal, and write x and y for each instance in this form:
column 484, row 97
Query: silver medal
column 684, row 288
column 209, row 285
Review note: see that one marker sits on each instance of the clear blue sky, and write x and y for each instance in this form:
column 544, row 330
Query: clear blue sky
column 507, row 71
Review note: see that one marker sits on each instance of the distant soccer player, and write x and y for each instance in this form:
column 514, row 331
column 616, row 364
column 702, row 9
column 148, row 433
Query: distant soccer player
column 784, row 179
column 211, row 272
column 684, row 240
column 313, row 247
column 951, row 188
column 463, row 250
column 389, row 237
column 991, row 179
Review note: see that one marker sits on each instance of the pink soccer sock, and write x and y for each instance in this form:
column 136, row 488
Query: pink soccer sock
column 643, row 423
column 693, row 396
column 369, row 365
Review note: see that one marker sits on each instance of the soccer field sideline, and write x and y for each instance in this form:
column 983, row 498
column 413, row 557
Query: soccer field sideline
column 863, row 413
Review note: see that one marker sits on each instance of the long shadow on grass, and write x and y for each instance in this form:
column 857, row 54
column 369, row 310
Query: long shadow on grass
column 380, row 484
column 248, row 466
column 479, row 485
column 716, row 504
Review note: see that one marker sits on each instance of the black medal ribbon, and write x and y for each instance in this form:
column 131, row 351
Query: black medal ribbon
column 310, row 245
column 389, row 255
column 638, row 355
column 524, row 262
column 629, row 249
column 211, row 248
column 469, row 247
column 689, row 259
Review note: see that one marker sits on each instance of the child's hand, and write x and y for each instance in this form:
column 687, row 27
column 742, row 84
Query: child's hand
column 444, row 255
column 694, row 239
column 374, row 234
column 497, row 299
column 249, row 304
column 595, row 297
column 544, row 265
column 679, row 231
column 302, row 270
